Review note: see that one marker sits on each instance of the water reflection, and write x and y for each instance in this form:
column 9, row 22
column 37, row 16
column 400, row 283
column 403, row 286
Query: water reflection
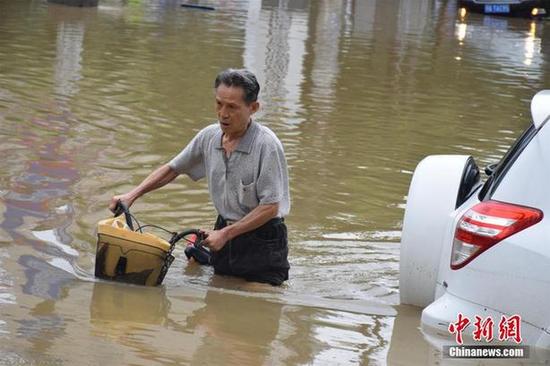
column 205, row 328
column 42, row 184
column 243, row 338
column 461, row 32
column 275, row 48
column 52, row 173
column 499, row 38
column 43, row 328
column 532, row 44
column 36, row 201
column 44, row 325
column 122, row 307
column 70, row 38
column 140, row 320
column 43, row 279
column 326, row 49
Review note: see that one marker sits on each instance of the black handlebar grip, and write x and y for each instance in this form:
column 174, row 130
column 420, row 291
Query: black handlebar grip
column 120, row 209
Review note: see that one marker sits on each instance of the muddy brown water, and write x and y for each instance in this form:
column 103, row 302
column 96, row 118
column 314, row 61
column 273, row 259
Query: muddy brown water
column 91, row 100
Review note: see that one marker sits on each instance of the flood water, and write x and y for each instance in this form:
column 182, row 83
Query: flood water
column 359, row 91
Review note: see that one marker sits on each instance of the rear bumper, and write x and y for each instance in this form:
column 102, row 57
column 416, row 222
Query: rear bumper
column 521, row 9
column 438, row 315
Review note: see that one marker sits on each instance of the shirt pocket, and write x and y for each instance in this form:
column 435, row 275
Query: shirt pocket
column 247, row 195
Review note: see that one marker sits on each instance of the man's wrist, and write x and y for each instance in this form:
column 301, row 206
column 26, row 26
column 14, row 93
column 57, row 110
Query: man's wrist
column 228, row 233
column 134, row 194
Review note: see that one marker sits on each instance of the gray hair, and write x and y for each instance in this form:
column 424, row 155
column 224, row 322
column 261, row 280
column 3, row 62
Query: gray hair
column 241, row 78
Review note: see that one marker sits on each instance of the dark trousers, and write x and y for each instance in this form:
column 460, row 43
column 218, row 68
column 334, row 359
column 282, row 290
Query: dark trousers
column 259, row 255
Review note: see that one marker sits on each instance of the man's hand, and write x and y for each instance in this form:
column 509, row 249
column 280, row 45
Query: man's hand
column 124, row 198
column 215, row 239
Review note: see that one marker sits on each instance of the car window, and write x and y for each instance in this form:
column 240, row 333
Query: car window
column 506, row 162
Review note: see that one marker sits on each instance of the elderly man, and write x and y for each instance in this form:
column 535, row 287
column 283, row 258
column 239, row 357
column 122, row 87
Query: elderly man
column 247, row 175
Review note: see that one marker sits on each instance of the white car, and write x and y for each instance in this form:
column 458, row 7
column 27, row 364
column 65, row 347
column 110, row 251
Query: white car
column 482, row 248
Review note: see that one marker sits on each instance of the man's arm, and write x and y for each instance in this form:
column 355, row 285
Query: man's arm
column 159, row 178
column 254, row 219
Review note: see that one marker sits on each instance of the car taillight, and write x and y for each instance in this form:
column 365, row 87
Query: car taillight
column 487, row 223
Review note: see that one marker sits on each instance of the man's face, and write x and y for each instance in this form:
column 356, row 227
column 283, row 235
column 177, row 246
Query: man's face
column 233, row 112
